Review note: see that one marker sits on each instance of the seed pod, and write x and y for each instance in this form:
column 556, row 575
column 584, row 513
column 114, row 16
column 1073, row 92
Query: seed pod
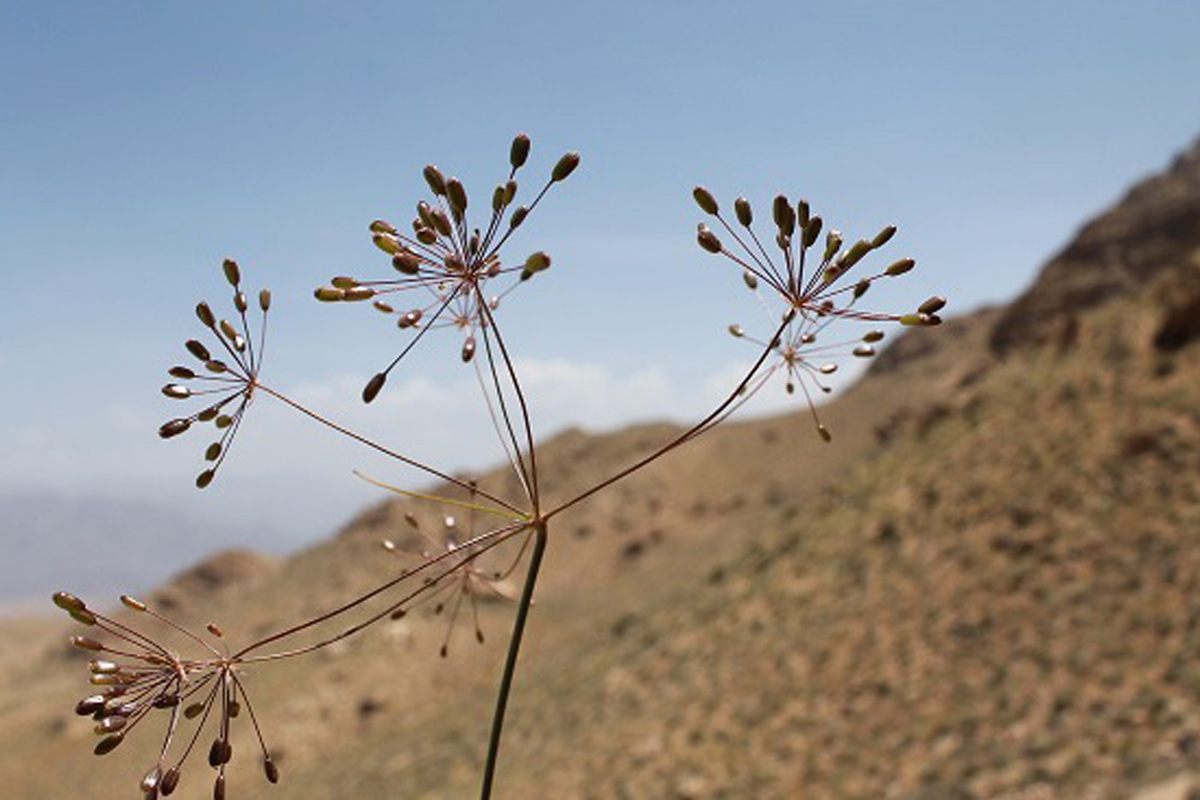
column 864, row 351
column 173, row 428
column 170, row 780
column 84, row 643
column 914, row 319
column 383, row 307
column 861, row 288
column 824, row 433
column 232, row 273
column 223, row 421
column 150, row 782
column 457, row 196
column 89, row 705
column 220, row 753
column 165, row 701
column 811, row 231
column 197, row 349
column 83, row 617
column 239, row 302
column 855, row 253
column 468, row 349
column 328, row 294
column 215, row 630
column 98, row 667
column 219, row 787
column 264, row 300
column 426, row 236
column 705, row 200
column 183, row 373
column 235, row 709
column 176, row 391
column 828, row 369
column 833, row 243
column 497, row 199
column 518, row 216
column 371, row 390
column 736, row 331
column 900, row 267
column 213, row 452
column 205, row 314
column 883, row 236
column 517, row 155
column 379, row 226
column 217, row 366
column 108, row 744
column 441, row 223
column 340, row 282
column 454, row 263
column 205, row 478
column 111, row 724
column 708, row 240
column 510, row 192
column 269, row 767
column 194, row 710
column 802, row 214
column 565, row 166
column 433, row 176
column 872, row 336
column 410, row 318
column 386, row 243
column 784, row 214
column 750, row 279
column 741, row 207
column 358, row 294
column 407, row 262
column 537, row 262
column 932, row 305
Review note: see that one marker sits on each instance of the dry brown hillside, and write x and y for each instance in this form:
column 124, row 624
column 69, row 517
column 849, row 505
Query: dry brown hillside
column 988, row 586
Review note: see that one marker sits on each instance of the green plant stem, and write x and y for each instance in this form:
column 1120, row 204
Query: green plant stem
column 510, row 663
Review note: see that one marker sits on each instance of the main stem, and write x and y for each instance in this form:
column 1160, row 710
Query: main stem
column 510, row 663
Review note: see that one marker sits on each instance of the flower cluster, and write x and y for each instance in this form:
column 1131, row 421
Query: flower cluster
column 227, row 386
column 813, row 296
column 448, row 262
column 145, row 676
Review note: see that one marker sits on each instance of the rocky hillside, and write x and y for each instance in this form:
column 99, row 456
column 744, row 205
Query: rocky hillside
column 988, row 586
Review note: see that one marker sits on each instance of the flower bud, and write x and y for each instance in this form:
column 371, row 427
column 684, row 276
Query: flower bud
column 328, row 294
column 708, row 240
column 785, row 215
column 741, row 207
column 264, row 300
column 736, row 331
column 176, row 392
column 272, row 771
column 433, row 176
column 387, row 243
column 441, row 223
column 205, row 314
column 833, row 243
column 173, row 428
column 811, row 231
column 750, row 279
column 232, row 273
column 518, row 216
column 537, row 262
column 205, row 478
column 517, row 155
column 855, row 253
column 900, row 267
column 883, row 236
column 864, row 351
column 458, row 197
column 407, row 262
column 379, row 226
column 932, row 305
column 371, row 390
column 197, row 349
column 872, row 336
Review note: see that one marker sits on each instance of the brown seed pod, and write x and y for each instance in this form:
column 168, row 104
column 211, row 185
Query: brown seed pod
column 457, row 196
column 437, row 183
column 517, row 155
column 565, row 166
column 900, row 267
column 379, row 226
column 264, row 300
column 518, row 216
column 197, row 349
column 468, row 349
column 170, row 780
column 932, row 305
column 708, row 240
column 205, row 314
column 705, row 200
column 884, row 236
column 84, row 643
column 784, row 214
column 108, row 744
column 173, row 427
column 89, row 705
column 232, row 273
column 537, row 262
column 204, row 479
column 371, row 390
column 872, row 336
column 176, row 391
column 328, row 294
column 183, row 373
column 741, row 207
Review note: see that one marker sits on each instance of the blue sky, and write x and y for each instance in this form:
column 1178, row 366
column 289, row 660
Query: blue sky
column 144, row 142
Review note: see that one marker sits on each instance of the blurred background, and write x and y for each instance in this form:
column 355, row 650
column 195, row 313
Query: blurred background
column 990, row 563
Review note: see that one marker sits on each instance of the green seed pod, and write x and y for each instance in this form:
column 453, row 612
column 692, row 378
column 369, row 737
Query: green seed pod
column 407, row 262
column 232, row 273
column 833, row 243
column 213, row 452
column 855, row 253
column 197, row 349
column 68, row 602
column 741, row 207
column 379, row 226
column 328, row 294
column 785, row 215
column 208, row 414
column 371, row 390
column 205, row 314
column 441, row 223
column 811, row 231
column 708, row 240
column 900, row 267
column 864, row 351
column 736, row 331
column 458, row 197
column 468, row 349
column 537, row 262
column 344, row 282
column 518, row 216
column 358, row 294
column 272, row 771
column 183, row 373
column 873, row 336
column 205, row 478
column 932, row 305
column 173, row 428
column 497, row 199
column 884, row 236
column 108, row 744
column 264, row 300
column 913, row 319
column 223, row 421
column 387, row 243
column 705, row 200
column 750, row 279
column 176, row 392
column 517, row 155
column 565, row 166
column 433, row 176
